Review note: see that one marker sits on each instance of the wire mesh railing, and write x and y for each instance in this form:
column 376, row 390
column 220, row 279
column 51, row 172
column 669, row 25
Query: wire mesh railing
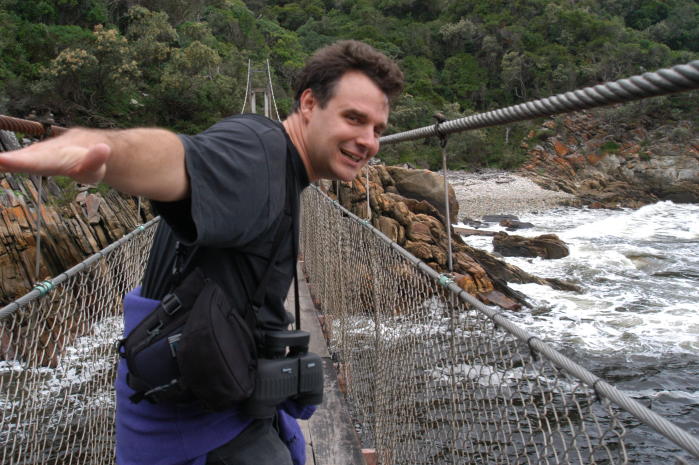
column 58, row 362
column 435, row 377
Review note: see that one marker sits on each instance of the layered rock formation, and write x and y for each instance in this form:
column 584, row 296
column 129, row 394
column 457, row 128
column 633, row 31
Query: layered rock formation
column 609, row 167
column 418, row 226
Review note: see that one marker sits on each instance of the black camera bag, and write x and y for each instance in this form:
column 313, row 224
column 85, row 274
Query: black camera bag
column 218, row 356
column 195, row 318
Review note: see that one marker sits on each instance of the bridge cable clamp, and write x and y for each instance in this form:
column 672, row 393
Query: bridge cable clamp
column 445, row 280
column 442, row 136
column 47, row 130
column 535, row 356
column 44, row 287
column 598, row 397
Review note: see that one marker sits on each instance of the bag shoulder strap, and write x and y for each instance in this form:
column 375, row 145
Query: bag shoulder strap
column 288, row 217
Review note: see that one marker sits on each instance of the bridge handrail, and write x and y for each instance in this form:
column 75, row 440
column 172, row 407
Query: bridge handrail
column 665, row 81
column 43, row 288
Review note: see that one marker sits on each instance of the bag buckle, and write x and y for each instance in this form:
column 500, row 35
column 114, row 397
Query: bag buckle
column 154, row 395
column 171, row 304
column 173, row 341
column 154, row 331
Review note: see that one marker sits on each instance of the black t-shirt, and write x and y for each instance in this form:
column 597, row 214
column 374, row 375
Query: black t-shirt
column 237, row 173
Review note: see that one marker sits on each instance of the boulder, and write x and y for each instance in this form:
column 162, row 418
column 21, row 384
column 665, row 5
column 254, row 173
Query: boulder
column 395, row 206
column 472, row 232
column 684, row 192
column 498, row 218
column 419, row 249
column 547, row 246
column 513, row 225
column 424, row 185
column 419, row 231
column 473, row 223
column 499, row 299
column 391, row 228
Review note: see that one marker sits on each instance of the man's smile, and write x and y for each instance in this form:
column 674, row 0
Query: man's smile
column 353, row 157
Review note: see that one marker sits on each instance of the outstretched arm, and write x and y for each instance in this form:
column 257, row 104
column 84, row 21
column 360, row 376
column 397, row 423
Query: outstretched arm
column 143, row 161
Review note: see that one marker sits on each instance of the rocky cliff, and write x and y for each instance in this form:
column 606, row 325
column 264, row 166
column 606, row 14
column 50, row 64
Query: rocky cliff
column 612, row 164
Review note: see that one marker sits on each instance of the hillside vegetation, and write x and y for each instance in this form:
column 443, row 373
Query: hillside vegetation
column 182, row 63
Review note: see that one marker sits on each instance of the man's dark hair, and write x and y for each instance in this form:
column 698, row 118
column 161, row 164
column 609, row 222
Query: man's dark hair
column 327, row 65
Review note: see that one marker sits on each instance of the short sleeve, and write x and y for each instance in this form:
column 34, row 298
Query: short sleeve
column 232, row 199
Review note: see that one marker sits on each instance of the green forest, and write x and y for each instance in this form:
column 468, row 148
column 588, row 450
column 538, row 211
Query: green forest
column 182, row 64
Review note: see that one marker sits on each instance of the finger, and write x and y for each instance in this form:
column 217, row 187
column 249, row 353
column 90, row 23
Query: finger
column 20, row 161
column 91, row 165
column 43, row 158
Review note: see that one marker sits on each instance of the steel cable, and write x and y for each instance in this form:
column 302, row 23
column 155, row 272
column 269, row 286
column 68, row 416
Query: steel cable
column 247, row 88
column 662, row 82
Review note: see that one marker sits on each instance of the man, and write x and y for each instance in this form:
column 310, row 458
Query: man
column 224, row 190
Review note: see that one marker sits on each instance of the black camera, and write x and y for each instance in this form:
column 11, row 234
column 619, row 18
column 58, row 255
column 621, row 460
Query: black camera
column 285, row 370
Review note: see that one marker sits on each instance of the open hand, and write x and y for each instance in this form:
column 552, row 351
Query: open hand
column 61, row 156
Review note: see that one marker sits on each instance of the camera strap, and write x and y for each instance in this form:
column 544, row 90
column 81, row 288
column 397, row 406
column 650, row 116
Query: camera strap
column 259, row 295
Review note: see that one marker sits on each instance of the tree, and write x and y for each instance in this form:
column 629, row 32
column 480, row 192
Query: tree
column 514, row 69
column 286, row 53
column 233, row 22
column 7, row 49
column 463, row 78
column 463, row 36
column 84, row 13
column 151, row 38
column 680, row 30
column 421, row 79
column 178, row 11
column 647, row 13
column 193, row 93
column 99, row 78
column 295, row 14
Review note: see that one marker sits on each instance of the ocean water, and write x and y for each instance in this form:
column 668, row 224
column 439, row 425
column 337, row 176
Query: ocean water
column 636, row 322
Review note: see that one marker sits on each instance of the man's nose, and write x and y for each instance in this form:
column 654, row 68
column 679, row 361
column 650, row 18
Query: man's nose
column 368, row 140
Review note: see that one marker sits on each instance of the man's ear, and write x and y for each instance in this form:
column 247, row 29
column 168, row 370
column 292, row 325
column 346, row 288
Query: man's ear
column 307, row 103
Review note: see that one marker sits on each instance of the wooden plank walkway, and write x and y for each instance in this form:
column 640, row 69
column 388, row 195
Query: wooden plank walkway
column 329, row 433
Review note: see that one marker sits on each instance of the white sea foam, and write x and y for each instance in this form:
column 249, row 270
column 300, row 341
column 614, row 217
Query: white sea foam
column 638, row 269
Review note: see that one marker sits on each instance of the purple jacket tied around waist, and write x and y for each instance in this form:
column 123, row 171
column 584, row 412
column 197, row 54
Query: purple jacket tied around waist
column 155, row 434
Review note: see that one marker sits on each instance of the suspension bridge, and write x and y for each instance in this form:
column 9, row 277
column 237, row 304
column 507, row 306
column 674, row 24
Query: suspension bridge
column 431, row 375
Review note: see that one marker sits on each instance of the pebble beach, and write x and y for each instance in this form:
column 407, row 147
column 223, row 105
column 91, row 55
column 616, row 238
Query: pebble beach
column 493, row 192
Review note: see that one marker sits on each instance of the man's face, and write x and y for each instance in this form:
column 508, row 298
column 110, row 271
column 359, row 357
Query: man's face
column 344, row 135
